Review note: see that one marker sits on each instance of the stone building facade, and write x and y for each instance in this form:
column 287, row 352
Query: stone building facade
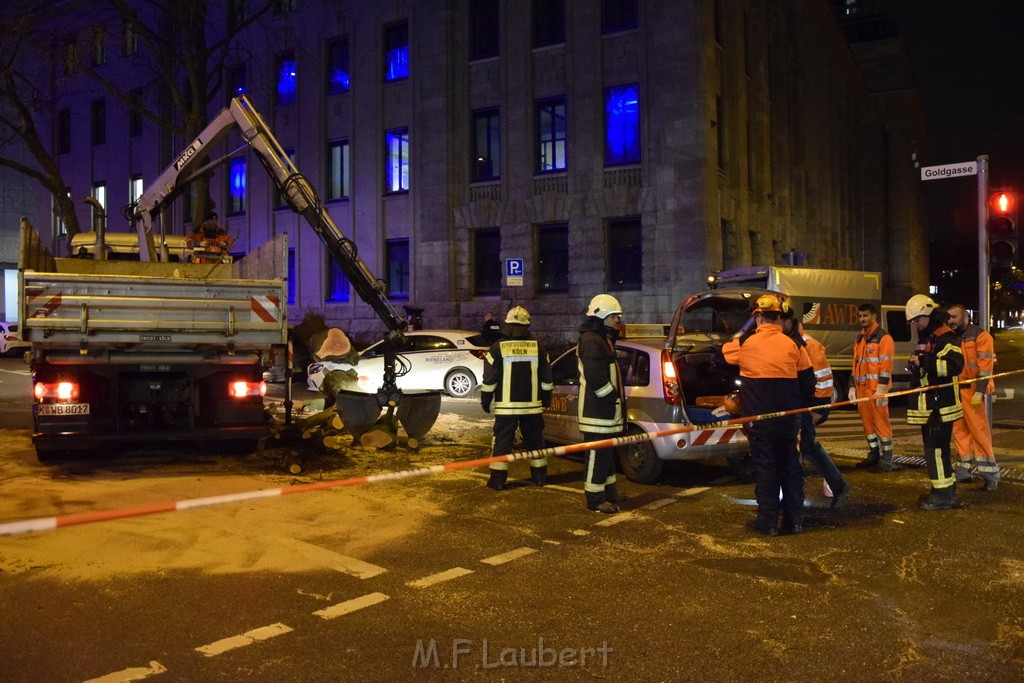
column 752, row 134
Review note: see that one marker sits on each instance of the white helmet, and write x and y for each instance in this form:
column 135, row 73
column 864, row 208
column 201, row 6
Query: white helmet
column 918, row 305
column 604, row 305
column 518, row 316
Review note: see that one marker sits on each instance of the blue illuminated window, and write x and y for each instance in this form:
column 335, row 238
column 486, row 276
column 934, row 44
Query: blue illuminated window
column 337, row 170
column 398, row 269
column 486, row 160
column 552, row 135
column 236, row 81
column 292, row 276
column 396, row 51
column 337, row 282
column 236, row 186
column 337, row 66
column 622, row 125
column 286, row 78
column 396, row 153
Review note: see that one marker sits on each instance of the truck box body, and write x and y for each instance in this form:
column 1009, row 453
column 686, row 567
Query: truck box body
column 151, row 349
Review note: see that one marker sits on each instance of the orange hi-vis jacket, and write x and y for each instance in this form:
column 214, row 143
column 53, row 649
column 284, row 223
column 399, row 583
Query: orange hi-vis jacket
column 872, row 359
column 821, row 367
column 978, row 348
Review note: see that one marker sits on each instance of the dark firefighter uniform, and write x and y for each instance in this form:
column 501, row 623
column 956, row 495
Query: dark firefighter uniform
column 937, row 360
column 517, row 387
column 775, row 376
column 602, row 401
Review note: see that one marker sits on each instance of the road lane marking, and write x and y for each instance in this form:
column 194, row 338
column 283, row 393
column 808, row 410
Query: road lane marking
column 440, row 577
column 701, row 489
column 617, row 519
column 495, row 560
column 580, row 532
column 349, row 606
column 247, row 638
column 659, row 504
column 552, row 542
column 137, row 673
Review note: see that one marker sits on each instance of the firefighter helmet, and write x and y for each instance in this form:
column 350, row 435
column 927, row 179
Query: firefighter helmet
column 518, row 316
column 918, row 305
column 732, row 403
column 768, row 303
column 604, row 305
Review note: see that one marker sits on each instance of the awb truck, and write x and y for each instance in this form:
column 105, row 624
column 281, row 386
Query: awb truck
column 827, row 302
column 148, row 352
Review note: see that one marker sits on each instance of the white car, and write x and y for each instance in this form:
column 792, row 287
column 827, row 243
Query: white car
column 428, row 360
column 10, row 344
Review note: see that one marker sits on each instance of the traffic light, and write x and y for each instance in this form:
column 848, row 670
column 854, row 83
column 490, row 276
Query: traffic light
column 1002, row 227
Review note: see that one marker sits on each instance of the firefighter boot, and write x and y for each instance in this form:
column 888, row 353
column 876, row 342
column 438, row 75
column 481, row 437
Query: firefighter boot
column 991, row 482
column 498, row 479
column 597, row 503
column 873, row 457
column 612, row 495
column 940, row 499
column 539, row 475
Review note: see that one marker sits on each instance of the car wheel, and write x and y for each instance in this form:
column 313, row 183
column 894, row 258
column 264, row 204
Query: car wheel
column 459, row 383
column 639, row 461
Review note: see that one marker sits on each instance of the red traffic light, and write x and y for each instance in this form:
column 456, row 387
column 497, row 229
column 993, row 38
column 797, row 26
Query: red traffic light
column 1002, row 202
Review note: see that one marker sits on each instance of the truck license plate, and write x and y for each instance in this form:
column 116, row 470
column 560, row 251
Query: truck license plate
column 64, row 409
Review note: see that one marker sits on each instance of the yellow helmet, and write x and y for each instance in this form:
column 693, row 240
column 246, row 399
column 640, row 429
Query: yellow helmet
column 918, row 305
column 518, row 316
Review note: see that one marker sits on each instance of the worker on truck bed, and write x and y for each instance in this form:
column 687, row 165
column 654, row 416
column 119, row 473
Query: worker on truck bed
column 872, row 377
column 209, row 236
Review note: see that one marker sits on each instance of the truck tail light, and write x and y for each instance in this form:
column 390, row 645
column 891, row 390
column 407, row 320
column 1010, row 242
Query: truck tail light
column 60, row 391
column 669, row 379
column 242, row 389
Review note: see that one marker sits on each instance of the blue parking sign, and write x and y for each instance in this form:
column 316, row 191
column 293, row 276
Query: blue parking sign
column 513, row 267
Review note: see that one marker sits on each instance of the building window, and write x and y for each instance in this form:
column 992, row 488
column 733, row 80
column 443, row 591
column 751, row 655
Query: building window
column 553, row 258
column 129, row 39
column 622, row 125
column 135, row 188
column 64, row 130
column 99, row 47
column 618, row 15
column 486, row 160
column 396, row 153
column 236, row 81
column 337, row 281
column 625, row 263
column 487, row 262
column 284, row 6
column 398, row 269
column 280, row 200
column 99, row 193
column 99, row 121
column 337, row 66
column 62, row 228
column 337, row 170
column 236, row 186
column 548, row 22
column 286, row 78
column 69, row 56
column 396, row 51
column 135, row 113
column 552, row 134
column 292, row 276
column 483, row 29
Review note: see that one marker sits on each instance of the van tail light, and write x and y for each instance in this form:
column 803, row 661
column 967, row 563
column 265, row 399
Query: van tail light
column 58, row 391
column 479, row 353
column 670, row 379
column 242, row 389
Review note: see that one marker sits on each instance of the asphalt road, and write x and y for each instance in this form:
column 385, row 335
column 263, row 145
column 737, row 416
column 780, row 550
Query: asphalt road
column 440, row 578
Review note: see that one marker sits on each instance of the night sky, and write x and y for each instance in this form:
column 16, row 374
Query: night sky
column 968, row 63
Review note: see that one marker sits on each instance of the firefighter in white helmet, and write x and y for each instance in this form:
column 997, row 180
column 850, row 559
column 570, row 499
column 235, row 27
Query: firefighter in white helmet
column 937, row 360
column 602, row 399
column 517, row 385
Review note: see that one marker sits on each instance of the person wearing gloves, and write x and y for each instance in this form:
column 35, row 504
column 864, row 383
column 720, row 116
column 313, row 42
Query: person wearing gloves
column 872, row 377
column 602, row 399
column 971, row 433
column 936, row 361
column 517, row 385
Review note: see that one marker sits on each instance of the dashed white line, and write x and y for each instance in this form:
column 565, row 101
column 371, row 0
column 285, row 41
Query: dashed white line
column 580, row 532
column 701, row 489
column 617, row 519
column 349, row 606
column 495, row 560
column 137, row 673
column 659, row 503
column 247, row 638
column 440, row 577
column 552, row 542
